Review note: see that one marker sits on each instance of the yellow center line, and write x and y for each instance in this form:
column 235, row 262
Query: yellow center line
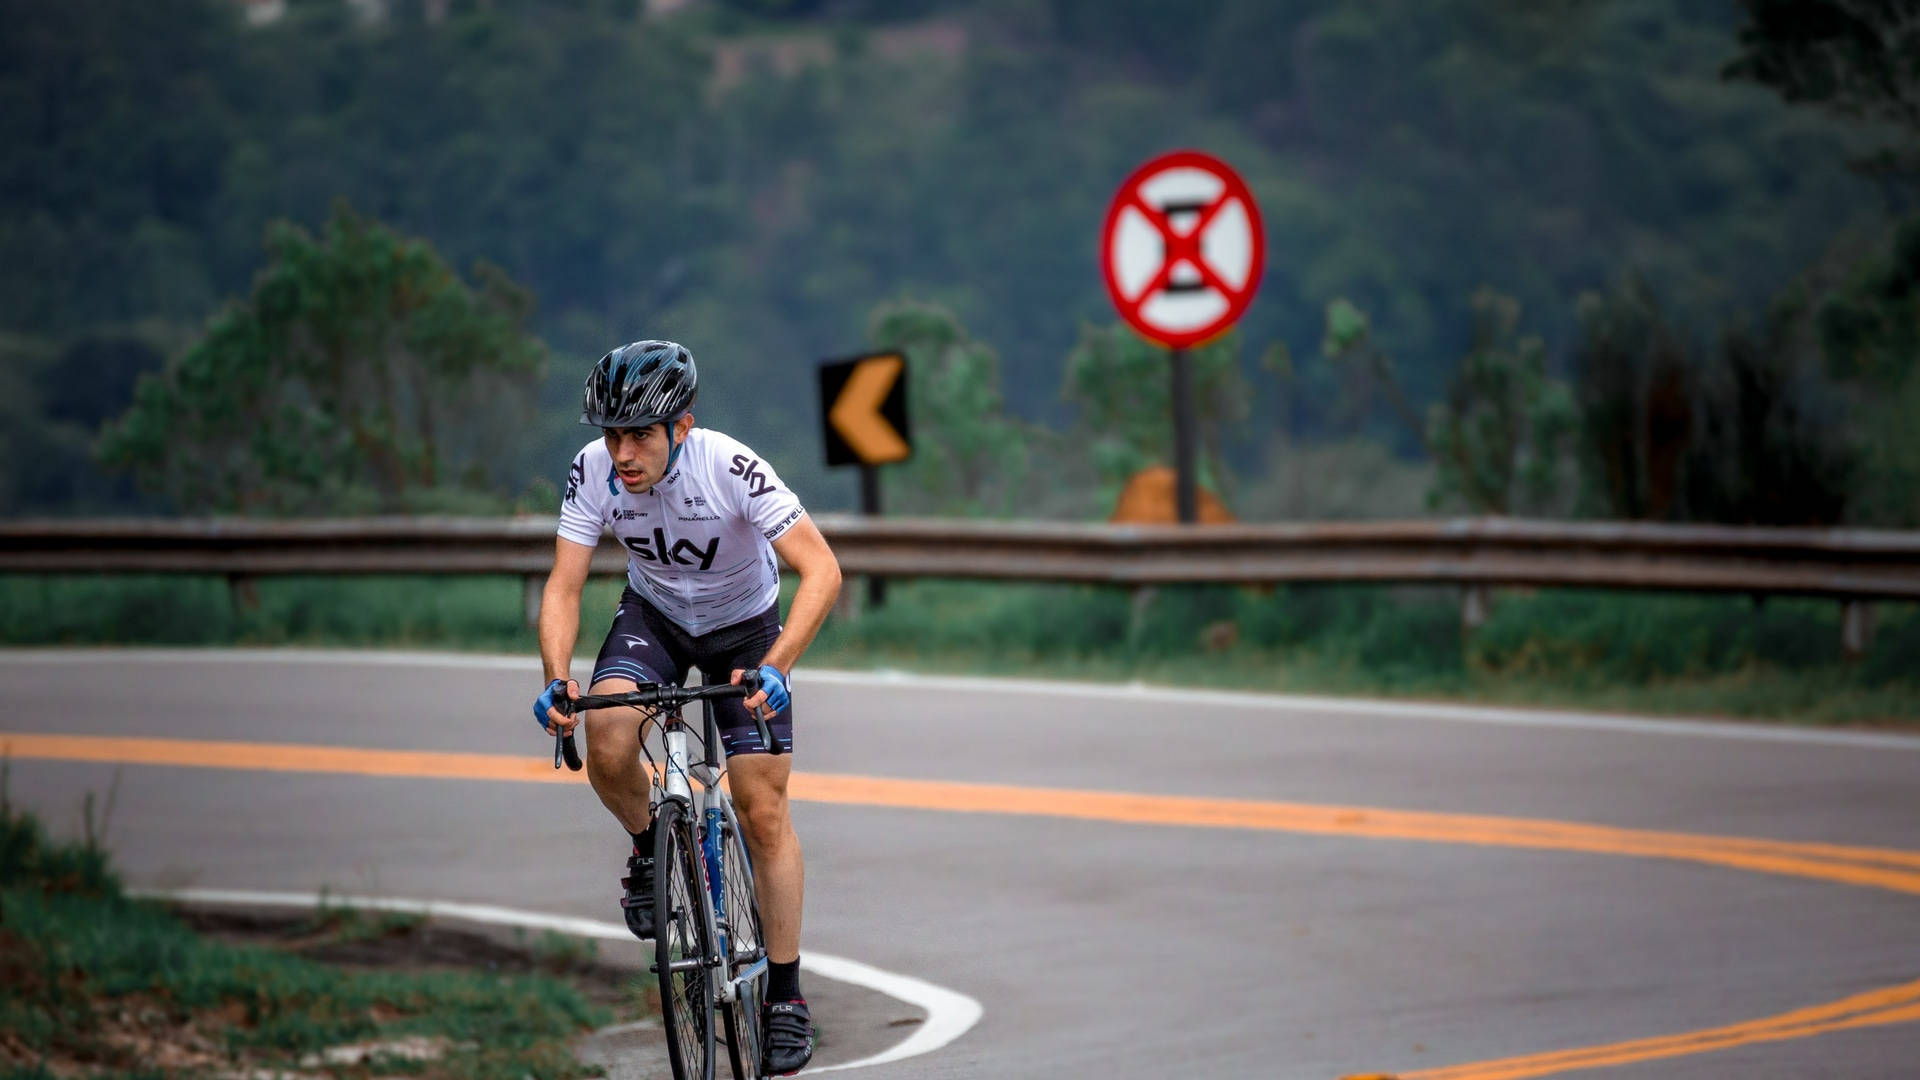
column 1893, row 1005
column 1884, row 868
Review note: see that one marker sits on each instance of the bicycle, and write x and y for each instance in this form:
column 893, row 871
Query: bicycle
column 708, row 955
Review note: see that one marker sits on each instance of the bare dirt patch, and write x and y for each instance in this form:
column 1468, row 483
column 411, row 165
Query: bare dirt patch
column 854, row 1022
column 368, row 942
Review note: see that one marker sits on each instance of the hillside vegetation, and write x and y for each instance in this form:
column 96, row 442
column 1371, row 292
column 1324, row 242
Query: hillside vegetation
column 756, row 179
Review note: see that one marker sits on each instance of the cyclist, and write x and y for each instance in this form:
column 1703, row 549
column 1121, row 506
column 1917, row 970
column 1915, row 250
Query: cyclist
column 701, row 517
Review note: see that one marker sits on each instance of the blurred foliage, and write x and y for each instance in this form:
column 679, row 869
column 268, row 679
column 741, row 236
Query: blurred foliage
column 754, row 177
column 969, row 456
column 477, row 611
column 1770, row 443
column 1867, row 326
column 350, row 381
column 1369, row 372
column 1498, row 437
column 30, row 859
column 1860, row 58
column 1632, row 373
column 1803, row 417
column 1123, row 388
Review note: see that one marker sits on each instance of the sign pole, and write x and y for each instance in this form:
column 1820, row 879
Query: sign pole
column 1181, row 251
column 1184, row 495
column 870, row 506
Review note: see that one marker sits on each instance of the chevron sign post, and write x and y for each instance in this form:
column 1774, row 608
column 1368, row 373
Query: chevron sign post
column 863, row 412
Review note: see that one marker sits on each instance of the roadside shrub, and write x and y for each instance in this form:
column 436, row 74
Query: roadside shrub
column 30, row 859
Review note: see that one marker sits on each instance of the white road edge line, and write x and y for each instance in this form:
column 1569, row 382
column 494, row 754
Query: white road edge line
column 1296, row 703
column 949, row 1013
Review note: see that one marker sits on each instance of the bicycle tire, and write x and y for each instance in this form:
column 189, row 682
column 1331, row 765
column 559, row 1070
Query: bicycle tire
column 680, row 934
column 745, row 947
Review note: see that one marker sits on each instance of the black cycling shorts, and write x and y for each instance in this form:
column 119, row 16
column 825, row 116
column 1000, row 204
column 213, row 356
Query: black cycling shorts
column 646, row 646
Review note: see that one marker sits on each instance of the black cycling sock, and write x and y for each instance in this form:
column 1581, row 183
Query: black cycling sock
column 643, row 841
column 783, row 981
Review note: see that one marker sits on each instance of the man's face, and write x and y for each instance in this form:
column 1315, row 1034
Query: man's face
column 640, row 454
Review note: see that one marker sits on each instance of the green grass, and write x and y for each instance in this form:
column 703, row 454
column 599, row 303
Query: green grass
column 91, row 979
column 1715, row 655
column 479, row 612
column 1563, row 648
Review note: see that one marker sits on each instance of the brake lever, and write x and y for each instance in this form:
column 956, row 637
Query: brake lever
column 563, row 747
column 750, row 681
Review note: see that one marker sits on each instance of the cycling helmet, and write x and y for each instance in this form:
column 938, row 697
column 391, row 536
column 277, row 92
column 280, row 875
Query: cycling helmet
column 640, row 384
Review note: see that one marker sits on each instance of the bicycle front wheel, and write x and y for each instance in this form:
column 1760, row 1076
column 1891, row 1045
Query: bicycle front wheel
column 681, row 947
column 745, row 947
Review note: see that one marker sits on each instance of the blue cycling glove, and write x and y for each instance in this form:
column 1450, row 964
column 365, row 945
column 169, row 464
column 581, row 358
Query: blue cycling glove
column 555, row 692
column 775, row 684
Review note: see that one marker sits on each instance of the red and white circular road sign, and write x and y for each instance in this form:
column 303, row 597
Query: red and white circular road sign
column 1182, row 248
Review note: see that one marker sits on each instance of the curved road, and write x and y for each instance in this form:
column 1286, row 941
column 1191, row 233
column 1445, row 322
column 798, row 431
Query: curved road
column 1133, row 884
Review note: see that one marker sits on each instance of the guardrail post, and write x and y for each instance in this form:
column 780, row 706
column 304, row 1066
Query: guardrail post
column 535, row 587
column 1476, row 604
column 243, row 592
column 1856, row 628
column 1139, row 609
column 847, row 604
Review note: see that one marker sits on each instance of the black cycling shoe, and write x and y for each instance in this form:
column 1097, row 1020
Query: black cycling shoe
column 787, row 1037
column 638, row 900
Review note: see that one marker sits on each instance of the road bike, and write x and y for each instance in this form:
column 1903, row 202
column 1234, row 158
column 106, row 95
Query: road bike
column 708, row 951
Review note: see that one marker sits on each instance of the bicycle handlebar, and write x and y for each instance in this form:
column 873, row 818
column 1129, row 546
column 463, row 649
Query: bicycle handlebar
column 663, row 695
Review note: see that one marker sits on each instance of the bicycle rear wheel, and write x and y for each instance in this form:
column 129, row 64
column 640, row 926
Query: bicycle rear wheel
column 681, row 946
column 745, row 947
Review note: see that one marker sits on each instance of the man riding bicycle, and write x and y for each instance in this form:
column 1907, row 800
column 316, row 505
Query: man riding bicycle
column 701, row 517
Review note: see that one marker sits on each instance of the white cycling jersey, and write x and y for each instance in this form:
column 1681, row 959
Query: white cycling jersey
column 699, row 544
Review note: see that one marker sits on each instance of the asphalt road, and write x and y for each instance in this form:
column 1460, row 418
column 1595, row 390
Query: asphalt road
column 1102, row 944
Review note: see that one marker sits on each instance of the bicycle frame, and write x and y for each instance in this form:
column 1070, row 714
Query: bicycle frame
column 679, row 774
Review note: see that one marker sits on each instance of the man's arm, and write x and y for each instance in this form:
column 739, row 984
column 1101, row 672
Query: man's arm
column 803, row 548
column 560, row 616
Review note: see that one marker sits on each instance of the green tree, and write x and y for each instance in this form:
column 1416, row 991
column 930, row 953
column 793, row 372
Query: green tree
column 1750, row 432
column 1859, row 58
column 1774, row 444
column 1867, row 324
column 1368, row 370
column 642, row 181
column 1498, row 436
column 361, row 374
column 1123, row 387
column 1635, row 386
column 969, row 456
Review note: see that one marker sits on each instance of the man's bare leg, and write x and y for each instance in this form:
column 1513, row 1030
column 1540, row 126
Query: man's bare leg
column 613, row 759
column 759, row 785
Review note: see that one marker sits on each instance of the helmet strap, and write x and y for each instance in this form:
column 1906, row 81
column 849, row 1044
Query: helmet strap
column 673, row 455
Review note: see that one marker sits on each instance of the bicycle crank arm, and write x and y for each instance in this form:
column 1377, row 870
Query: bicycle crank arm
column 730, row 990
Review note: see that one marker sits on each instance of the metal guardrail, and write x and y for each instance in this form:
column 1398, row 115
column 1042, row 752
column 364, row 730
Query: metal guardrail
column 1850, row 565
column 1839, row 563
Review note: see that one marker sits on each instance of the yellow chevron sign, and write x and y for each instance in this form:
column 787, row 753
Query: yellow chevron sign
column 865, row 403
